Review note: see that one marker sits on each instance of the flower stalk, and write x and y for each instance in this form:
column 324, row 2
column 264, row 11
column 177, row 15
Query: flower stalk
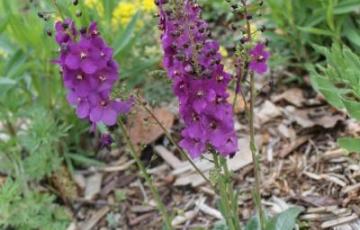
column 254, row 154
column 148, row 179
column 168, row 135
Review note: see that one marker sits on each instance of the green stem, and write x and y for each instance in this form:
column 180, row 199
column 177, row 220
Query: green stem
column 224, row 195
column 257, row 192
column 147, row 178
column 167, row 134
column 254, row 154
column 58, row 9
column 231, row 195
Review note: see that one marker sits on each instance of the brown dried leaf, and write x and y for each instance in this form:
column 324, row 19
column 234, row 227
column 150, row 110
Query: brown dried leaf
column 294, row 96
column 240, row 103
column 143, row 129
column 308, row 118
column 266, row 112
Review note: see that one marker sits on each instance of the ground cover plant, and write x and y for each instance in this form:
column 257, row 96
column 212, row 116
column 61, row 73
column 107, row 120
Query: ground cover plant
column 179, row 114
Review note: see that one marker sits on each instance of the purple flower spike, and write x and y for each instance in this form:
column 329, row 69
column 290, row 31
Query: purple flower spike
column 89, row 73
column 259, row 58
column 193, row 62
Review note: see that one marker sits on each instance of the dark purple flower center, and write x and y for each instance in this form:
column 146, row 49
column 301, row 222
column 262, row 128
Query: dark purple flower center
column 260, row 58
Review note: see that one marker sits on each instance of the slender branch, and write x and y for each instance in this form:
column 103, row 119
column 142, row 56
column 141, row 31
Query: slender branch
column 146, row 176
column 252, row 133
column 167, row 134
column 224, row 195
column 230, row 194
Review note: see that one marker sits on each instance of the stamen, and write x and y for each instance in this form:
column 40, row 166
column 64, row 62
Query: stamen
column 82, row 55
column 102, row 78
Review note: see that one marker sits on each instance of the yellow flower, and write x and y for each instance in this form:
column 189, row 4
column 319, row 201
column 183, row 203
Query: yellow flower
column 95, row 4
column 223, row 51
column 126, row 9
column 123, row 13
column 255, row 33
column 148, row 5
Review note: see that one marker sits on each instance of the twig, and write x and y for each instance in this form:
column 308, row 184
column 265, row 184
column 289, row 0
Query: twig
column 146, row 176
column 167, row 134
column 252, row 133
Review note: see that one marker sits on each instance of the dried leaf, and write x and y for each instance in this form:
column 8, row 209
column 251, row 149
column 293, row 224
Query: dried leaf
column 294, row 96
column 239, row 104
column 267, row 111
column 93, row 185
column 143, row 129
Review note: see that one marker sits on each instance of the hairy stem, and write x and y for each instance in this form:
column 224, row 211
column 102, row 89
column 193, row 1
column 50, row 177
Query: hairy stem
column 231, row 195
column 147, row 177
column 224, row 195
column 167, row 134
column 257, row 192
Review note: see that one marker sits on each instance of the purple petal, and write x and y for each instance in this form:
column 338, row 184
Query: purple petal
column 123, row 106
column 88, row 66
column 96, row 114
column 72, row 61
column 109, row 117
column 83, row 110
column 72, row 98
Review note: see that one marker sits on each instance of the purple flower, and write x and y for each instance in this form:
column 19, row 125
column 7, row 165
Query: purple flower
column 106, row 110
column 259, row 57
column 106, row 141
column 89, row 73
column 193, row 62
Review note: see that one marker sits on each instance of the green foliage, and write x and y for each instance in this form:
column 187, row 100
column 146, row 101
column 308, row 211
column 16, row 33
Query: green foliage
column 338, row 81
column 285, row 220
column 350, row 144
column 298, row 25
column 29, row 211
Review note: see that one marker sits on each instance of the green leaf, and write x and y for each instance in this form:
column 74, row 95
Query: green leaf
column 4, row 23
column 108, row 6
column 353, row 108
column 253, row 223
column 7, row 81
column 330, row 15
column 350, row 144
column 285, row 220
column 316, row 31
column 346, row 6
column 81, row 159
column 124, row 39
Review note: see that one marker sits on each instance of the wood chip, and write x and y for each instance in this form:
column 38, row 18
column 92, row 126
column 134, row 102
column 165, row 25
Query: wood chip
column 351, row 188
column 93, row 185
column 266, row 112
column 289, row 148
column 95, row 218
column 338, row 221
column 118, row 168
column 187, row 175
column 209, row 210
column 168, row 157
column 180, row 219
